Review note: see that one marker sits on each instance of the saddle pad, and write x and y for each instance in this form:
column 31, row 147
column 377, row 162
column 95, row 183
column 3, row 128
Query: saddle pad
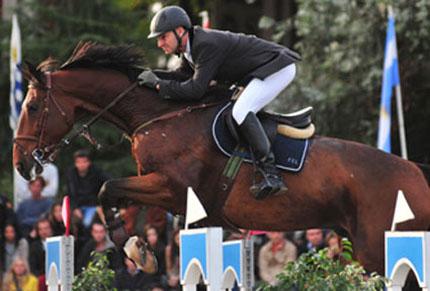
column 290, row 153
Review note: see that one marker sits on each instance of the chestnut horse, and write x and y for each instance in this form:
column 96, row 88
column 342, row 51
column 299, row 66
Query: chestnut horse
column 343, row 184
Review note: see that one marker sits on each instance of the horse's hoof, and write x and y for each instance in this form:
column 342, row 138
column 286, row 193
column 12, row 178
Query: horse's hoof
column 137, row 251
column 119, row 236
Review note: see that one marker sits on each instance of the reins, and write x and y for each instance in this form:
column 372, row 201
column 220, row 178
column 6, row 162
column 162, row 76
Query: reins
column 84, row 129
column 174, row 114
column 39, row 153
column 47, row 153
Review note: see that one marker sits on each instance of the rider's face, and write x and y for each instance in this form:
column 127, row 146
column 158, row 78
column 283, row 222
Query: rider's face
column 167, row 42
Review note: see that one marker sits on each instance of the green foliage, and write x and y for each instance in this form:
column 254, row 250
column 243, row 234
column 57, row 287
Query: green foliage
column 96, row 276
column 346, row 250
column 53, row 28
column 342, row 46
column 316, row 271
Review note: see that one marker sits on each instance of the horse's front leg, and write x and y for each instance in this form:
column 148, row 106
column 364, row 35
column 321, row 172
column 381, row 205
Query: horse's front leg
column 151, row 190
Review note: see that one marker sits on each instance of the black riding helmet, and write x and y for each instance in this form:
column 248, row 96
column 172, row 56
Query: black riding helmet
column 168, row 19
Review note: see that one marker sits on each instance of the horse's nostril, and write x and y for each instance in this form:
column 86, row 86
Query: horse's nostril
column 19, row 167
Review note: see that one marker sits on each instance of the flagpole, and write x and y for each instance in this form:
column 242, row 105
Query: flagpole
column 16, row 93
column 402, row 133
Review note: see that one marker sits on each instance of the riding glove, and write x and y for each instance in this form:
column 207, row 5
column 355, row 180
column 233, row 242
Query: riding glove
column 148, row 78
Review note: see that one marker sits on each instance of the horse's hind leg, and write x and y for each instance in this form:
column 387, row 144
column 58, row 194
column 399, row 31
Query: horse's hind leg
column 148, row 190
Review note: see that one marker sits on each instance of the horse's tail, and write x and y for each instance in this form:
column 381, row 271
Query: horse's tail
column 425, row 169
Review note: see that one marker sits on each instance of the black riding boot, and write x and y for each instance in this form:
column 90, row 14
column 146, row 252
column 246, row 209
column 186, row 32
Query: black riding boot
column 253, row 132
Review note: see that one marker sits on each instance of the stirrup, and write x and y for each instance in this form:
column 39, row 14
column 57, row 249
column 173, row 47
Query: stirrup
column 271, row 184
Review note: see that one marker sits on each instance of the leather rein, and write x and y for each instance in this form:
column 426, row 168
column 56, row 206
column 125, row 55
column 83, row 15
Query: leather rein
column 44, row 154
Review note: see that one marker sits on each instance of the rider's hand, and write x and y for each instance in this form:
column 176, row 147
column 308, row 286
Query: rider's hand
column 148, row 78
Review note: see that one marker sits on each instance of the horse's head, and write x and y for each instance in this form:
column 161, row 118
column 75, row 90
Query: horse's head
column 44, row 121
column 58, row 95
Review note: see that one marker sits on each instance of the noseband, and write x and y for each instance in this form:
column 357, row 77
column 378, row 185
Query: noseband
column 44, row 154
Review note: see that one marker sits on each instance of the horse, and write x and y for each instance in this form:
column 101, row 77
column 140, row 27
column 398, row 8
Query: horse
column 343, row 184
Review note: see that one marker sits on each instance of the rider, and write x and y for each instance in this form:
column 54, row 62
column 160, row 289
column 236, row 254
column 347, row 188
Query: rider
column 264, row 67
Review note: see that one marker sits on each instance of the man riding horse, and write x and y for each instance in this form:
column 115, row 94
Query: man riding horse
column 265, row 68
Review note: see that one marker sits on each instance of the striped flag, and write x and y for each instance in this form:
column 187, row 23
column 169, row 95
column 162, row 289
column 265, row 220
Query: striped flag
column 391, row 79
column 205, row 19
column 16, row 93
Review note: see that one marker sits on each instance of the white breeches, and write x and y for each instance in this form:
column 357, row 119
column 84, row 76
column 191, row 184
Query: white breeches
column 258, row 93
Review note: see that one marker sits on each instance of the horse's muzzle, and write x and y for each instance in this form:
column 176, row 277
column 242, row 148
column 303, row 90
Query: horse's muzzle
column 28, row 170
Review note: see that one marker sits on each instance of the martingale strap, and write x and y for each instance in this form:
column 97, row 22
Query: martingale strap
column 232, row 168
column 174, row 114
column 233, row 164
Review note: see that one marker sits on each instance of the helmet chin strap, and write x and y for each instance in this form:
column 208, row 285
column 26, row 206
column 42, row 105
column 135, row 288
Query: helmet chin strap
column 178, row 49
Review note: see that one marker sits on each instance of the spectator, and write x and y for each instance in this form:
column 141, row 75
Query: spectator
column 56, row 219
column 131, row 278
column 274, row 255
column 315, row 240
column 333, row 242
column 37, row 251
column 31, row 209
column 14, row 245
column 7, row 213
column 158, row 247
column 172, row 262
column 84, row 181
column 157, row 217
column 19, row 277
column 99, row 243
column 49, row 174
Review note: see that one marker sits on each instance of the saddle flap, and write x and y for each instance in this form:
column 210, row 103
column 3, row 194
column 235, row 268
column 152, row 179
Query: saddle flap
column 290, row 153
column 300, row 119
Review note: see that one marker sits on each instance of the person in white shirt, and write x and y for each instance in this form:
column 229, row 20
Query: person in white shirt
column 22, row 192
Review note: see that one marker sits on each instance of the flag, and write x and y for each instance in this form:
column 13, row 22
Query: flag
column 195, row 210
column 402, row 211
column 255, row 232
column 16, row 93
column 205, row 19
column 391, row 79
column 65, row 214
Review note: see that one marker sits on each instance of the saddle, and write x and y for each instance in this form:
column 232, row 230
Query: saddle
column 296, row 125
column 288, row 133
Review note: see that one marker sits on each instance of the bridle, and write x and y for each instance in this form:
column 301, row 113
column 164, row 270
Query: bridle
column 44, row 154
column 41, row 153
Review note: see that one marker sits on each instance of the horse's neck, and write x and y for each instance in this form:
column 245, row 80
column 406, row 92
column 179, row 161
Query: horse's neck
column 134, row 109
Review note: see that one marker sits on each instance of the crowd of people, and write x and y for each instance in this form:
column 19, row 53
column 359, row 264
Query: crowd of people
column 38, row 216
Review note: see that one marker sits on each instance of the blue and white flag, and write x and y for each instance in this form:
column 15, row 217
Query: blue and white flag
column 16, row 93
column 391, row 79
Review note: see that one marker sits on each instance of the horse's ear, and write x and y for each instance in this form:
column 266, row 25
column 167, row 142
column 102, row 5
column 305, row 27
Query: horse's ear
column 31, row 73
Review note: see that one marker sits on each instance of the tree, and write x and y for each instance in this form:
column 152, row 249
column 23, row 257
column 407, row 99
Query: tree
column 317, row 271
column 53, row 28
column 342, row 46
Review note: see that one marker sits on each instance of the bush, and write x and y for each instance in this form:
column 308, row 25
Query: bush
column 316, row 271
column 96, row 276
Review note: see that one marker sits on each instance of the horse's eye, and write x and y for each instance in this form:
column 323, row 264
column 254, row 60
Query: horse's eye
column 32, row 107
